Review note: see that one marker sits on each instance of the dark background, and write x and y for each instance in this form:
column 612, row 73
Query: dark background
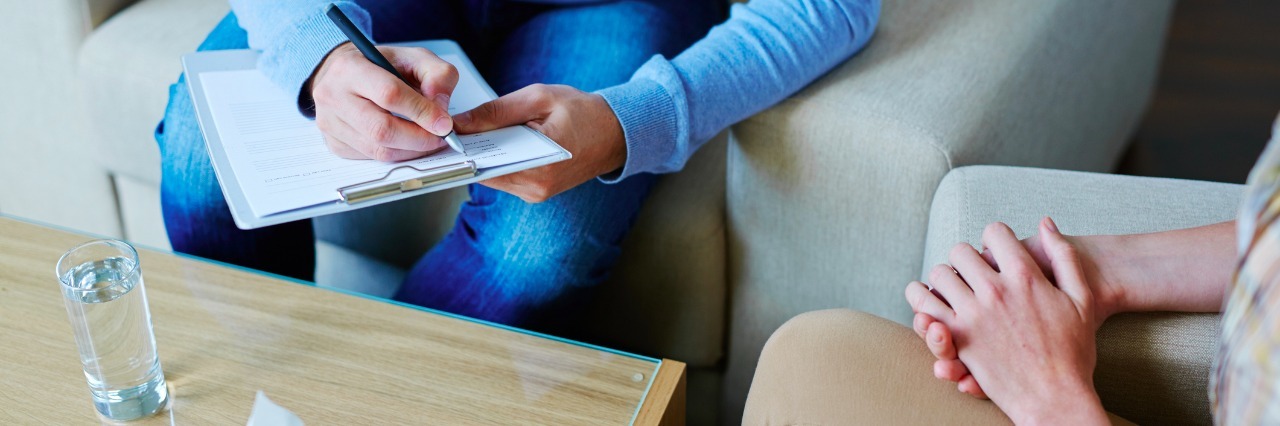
column 1217, row 95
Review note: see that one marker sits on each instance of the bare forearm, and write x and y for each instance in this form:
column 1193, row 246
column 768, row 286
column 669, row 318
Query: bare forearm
column 1185, row 270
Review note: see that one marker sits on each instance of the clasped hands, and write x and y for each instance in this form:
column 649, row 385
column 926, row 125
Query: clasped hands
column 355, row 100
column 1016, row 323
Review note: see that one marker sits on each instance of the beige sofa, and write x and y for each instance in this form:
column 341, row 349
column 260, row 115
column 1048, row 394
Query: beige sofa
column 820, row 202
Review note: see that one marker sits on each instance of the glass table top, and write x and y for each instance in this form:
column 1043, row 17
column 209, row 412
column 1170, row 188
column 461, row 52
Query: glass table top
column 330, row 356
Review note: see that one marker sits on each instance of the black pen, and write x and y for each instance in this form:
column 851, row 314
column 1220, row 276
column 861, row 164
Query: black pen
column 370, row 52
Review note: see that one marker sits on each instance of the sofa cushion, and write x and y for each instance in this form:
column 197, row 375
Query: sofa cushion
column 140, row 213
column 125, row 69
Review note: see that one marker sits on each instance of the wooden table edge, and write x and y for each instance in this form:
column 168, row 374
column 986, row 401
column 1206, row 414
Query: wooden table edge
column 665, row 403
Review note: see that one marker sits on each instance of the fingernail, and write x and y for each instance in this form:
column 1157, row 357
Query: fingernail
column 1052, row 226
column 463, row 119
column 442, row 126
column 443, row 100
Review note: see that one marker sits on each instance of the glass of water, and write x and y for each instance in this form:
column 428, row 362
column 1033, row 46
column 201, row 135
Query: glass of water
column 102, row 288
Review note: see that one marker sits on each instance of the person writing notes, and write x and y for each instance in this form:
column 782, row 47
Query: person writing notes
column 524, row 240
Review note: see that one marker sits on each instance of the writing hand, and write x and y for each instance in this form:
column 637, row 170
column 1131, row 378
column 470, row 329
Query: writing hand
column 355, row 100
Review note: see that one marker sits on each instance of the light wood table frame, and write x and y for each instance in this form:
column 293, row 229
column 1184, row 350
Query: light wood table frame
column 332, row 358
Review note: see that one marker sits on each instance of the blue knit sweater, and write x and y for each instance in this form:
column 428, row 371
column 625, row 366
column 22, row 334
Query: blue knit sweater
column 766, row 51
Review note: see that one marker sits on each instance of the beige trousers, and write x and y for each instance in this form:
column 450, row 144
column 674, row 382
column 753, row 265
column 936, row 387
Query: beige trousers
column 844, row 367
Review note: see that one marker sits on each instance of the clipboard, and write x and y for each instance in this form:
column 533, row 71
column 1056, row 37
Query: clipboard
column 399, row 183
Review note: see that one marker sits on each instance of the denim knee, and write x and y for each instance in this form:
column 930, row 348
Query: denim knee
column 592, row 47
column 538, row 268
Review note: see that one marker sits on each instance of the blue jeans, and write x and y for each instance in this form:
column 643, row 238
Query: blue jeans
column 505, row 260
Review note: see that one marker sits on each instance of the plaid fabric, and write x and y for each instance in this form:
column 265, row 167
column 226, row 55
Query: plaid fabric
column 1245, row 385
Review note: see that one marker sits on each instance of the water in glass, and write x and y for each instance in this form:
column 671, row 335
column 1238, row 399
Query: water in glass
column 107, row 304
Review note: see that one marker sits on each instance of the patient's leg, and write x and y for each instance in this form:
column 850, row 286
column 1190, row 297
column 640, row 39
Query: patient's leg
column 844, row 367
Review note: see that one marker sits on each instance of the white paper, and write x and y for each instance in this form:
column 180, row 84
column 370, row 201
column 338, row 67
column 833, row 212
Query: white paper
column 280, row 159
column 267, row 413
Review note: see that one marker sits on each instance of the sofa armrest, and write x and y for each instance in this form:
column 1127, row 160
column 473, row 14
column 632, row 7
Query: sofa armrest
column 1152, row 367
column 126, row 70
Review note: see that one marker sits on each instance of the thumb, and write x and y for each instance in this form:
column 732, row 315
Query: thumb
column 1065, row 262
column 518, row 107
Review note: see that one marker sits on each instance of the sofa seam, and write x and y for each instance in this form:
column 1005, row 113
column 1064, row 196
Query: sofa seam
column 115, row 196
column 934, row 140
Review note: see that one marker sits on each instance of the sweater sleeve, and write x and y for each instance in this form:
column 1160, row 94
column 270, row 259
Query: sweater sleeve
column 766, row 51
column 294, row 36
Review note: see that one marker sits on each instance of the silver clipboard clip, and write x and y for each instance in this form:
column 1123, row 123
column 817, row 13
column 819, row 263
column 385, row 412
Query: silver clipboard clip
column 365, row 191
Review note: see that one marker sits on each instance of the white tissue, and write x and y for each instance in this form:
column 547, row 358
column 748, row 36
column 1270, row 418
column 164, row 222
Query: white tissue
column 267, row 413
